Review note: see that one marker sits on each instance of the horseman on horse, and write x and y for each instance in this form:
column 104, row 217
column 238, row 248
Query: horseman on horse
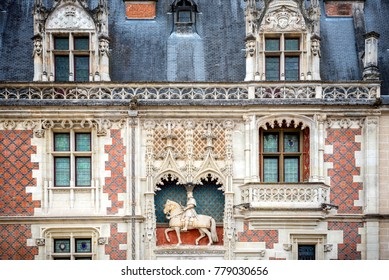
column 190, row 213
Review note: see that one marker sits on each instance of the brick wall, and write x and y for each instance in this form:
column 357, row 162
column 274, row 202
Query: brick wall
column 270, row 237
column 140, row 10
column 112, row 248
column 117, row 182
column 13, row 243
column 344, row 191
column 16, row 173
column 339, row 8
column 351, row 238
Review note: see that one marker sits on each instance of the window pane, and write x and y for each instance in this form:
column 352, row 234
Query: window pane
column 272, row 68
column 81, row 43
column 62, row 246
column 62, row 171
column 291, row 142
column 270, row 142
column 291, row 68
column 83, row 171
column 83, row 142
column 61, row 68
column 272, row 44
column 306, row 252
column 81, row 68
column 270, row 170
column 61, row 142
column 292, row 44
column 291, row 170
column 84, row 245
column 184, row 16
column 61, row 43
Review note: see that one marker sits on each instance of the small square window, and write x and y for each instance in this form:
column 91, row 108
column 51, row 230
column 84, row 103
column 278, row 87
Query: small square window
column 184, row 16
column 272, row 44
column 81, row 43
column 61, row 142
column 83, row 245
column 61, row 43
column 61, row 245
column 306, row 252
column 292, row 44
column 83, row 142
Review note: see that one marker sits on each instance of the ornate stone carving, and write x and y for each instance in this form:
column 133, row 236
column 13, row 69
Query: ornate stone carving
column 102, row 240
column 40, row 242
column 70, row 16
column 328, row 247
column 283, row 19
column 104, row 47
column 315, row 46
column 287, row 247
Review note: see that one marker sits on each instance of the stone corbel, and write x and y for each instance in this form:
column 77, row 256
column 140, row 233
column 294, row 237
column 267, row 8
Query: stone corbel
column 102, row 241
column 328, row 247
column 262, row 253
column 40, row 242
column 287, row 247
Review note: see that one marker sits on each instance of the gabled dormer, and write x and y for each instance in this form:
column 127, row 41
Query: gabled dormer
column 71, row 42
column 282, row 40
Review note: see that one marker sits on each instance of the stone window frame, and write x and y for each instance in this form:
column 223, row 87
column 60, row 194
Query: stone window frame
column 72, row 53
column 282, row 53
column 72, row 154
column 52, row 234
column 319, row 240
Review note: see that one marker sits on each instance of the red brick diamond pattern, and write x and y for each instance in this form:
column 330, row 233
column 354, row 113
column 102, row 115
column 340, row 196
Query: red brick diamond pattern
column 13, row 243
column 348, row 249
column 112, row 248
column 344, row 191
column 270, row 237
column 16, row 173
column 117, row 182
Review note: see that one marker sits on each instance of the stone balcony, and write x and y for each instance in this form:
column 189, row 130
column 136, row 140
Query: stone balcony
column 358, row 91
column 285, row 196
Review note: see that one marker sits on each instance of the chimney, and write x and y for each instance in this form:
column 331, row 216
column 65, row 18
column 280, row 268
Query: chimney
column 370, row 59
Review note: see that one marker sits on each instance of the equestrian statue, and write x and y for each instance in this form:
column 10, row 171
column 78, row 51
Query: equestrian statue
column 185, row 218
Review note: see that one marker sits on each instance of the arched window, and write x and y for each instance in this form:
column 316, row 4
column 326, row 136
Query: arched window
column 184, row 12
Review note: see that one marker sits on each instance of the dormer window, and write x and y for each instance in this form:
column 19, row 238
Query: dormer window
column 71, row 58
column 184, row 12
column 282, row 58
column 71, row 42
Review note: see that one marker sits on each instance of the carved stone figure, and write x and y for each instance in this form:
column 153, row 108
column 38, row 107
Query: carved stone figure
column 176, row 213
column 189, row 211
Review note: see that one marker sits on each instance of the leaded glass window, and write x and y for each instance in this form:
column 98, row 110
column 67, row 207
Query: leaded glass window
column 62, row 246
column 83, row 142
column 272, row 68
column 292, row 66
column 61, row 68
column 62, row 171
column 281, row 155
column 83, row 245
column 81, row 68
column 62, row 142
column 72, row 248
column 83, row 171
column 81, row 43
column 72, row 153
column 270, row 170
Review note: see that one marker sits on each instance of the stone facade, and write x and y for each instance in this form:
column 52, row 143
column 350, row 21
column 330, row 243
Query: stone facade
column 152, row 141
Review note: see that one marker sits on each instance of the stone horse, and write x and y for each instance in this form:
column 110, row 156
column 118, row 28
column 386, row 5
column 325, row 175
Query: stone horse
column 205, row 224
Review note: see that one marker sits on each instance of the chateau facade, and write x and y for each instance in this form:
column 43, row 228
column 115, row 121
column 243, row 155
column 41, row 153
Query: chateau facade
column 271, row 113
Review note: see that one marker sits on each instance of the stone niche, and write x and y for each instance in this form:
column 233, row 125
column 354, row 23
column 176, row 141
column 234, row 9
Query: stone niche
column 138, row 9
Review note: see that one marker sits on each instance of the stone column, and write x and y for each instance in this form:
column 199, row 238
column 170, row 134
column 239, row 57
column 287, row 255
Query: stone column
column 371, row 187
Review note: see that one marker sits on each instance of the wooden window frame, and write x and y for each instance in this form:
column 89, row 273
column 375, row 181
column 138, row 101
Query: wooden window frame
column 281, row 155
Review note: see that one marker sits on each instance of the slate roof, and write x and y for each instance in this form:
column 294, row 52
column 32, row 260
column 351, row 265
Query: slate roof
column 146, row 50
